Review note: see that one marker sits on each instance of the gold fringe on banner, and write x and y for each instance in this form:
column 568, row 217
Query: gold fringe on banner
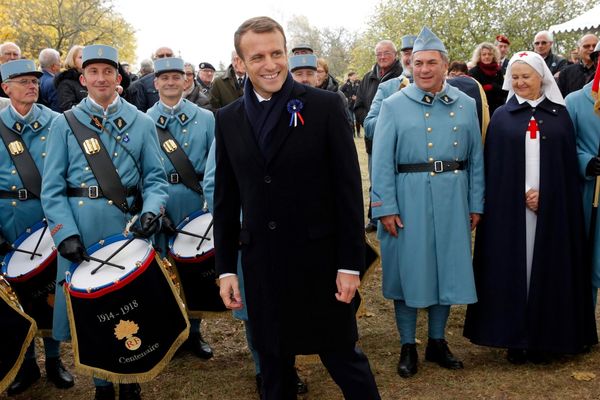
column 137, row 377
column 10, row 298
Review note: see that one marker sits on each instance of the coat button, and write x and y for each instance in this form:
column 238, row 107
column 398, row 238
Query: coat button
column 13, row 188
column 452, row 113
column 426, row 115
column 429, row 129
column 268, row 179
column 430, row 159
column 429, row 144
column 455, row 128
column 272, row 225
column 13, row 203
column 455, row 143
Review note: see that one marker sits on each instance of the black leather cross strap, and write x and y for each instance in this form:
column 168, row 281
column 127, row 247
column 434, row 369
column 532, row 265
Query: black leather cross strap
column 24, row 164
column 175, row 178
column 436, row 166
column 180, row 160
column 99, row 161
column 94, row 192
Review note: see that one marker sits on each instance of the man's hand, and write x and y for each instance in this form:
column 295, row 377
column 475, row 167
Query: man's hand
column 390, row 222
column 532, row 198
column 475, row 218
column 346, row 286
column 230, row 292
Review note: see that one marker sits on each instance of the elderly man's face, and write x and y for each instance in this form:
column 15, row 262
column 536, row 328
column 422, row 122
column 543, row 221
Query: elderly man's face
column 9, row 53
column 429, row 70
column 189, row 77
column 386, row 55
column 22, row 89
column 206, row 75
column 588, row 42
column 405, row 56
column 542, row 45
column 503, row 49
column 163, row 52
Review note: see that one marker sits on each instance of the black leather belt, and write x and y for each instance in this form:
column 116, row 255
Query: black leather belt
column 20, row 194
column 94, row 192
column 175, row 178
column 436, row 166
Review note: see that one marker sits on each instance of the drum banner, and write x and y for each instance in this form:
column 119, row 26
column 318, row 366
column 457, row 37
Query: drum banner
column 129, row 333
column 18, row 330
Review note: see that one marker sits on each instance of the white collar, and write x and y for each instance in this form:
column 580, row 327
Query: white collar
column 532, row 103
column 260, row 98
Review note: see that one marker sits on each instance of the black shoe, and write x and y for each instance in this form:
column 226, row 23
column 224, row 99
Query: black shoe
column 301, row 386
column 198, row 346
column 371, row 227
column 539, row 357
column 409, row 359
column 259, row 385
column 130, row 391
column 27, row 375
column 105, row 393
column 516, row 356
column 438, row 351
column 57, row 373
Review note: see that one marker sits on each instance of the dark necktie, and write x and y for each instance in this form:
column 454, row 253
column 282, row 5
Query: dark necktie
column 240, row 82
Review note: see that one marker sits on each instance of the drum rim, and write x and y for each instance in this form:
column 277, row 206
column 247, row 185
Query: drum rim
column 20, row 239
column 101, row 290
column 181, row 224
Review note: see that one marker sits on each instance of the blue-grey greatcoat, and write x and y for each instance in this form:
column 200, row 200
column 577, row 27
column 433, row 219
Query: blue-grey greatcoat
column 430, row 260
column 194, row 129
column 384, row 90
column 66, row 166
column 580, row 105
column 16, row 215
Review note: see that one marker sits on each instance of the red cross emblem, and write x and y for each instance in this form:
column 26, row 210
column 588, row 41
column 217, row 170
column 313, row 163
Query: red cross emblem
column 523, row 54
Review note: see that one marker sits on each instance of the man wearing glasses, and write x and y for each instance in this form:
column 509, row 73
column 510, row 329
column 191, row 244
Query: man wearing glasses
column 542, row 44
column 8, row 52
column 575, row 76
column 142, row 92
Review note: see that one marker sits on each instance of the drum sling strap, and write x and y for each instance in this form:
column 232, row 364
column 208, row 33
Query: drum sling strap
column 99, row 161
column 179, row 159
column 28, row 171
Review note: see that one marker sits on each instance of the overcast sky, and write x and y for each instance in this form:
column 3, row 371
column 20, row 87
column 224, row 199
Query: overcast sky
column 203, row 30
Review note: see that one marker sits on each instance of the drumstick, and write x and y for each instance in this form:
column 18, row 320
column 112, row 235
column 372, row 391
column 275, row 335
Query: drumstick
column 27, row 252
column 191, row 234
column 205, row 233
column 102, row 262
column 39, row 241
column 105, row 262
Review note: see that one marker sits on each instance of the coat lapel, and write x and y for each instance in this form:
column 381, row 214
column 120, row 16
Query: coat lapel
column 245, row 131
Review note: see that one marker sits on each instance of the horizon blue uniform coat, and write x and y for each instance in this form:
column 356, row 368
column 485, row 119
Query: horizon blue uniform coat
column 195, row 133
column 430, row 261
column 66, row 166
column 384, row 90
column 17, row 215
column 580, row 105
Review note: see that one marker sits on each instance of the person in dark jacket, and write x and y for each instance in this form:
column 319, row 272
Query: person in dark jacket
column 387, row 67
column 542, row 44
column 192, row 90
column 350, row 89
column 49, row 60
column 205, row 77
column 575, row 76
column 327, row 82
column 533, row 286
column 69, row 91
column 488, row 73
column 142, row 92
column 228, row 87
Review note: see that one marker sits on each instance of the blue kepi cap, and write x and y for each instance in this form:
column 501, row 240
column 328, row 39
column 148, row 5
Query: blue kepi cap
column 100, row 53
column 13, row 69
column 408, row 41
column 303, row 61
column 427, row 40
column 169, row 64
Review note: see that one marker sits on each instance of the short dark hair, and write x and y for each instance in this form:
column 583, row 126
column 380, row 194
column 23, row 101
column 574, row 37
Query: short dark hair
column 458, row 66
column 256, row 25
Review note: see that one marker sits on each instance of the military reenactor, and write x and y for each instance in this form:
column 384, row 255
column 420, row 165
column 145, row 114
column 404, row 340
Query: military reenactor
column 79, row 199
column 24, row 128
column 192, row 129
column 428, row 195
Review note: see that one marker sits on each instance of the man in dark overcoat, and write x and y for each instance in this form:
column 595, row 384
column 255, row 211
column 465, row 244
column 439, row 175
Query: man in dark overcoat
column 285, row 156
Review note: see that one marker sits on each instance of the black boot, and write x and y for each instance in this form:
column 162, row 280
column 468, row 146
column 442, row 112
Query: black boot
column 409, row 359
column 198, row 346
column 105, row 393
column 301, row 386
column 130, row 391
column 516, row 356
column 438, row 351
column 27, row 375
column 57, row 373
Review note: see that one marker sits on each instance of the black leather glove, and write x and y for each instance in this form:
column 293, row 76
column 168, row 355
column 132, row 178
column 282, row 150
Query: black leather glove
column 5, row 246
column 148, row 225
column 593, row 167
column 168, row 226
column 72, row 249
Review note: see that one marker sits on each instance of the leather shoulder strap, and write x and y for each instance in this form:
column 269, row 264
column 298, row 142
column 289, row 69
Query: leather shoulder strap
column 179, row 159
column 99, row 161
column 28, row 171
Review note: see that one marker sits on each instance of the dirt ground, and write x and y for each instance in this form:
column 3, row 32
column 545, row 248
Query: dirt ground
column 230, row 374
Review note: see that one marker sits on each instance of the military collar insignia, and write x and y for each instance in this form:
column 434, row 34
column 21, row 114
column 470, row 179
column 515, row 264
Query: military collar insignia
column 18, row 127
column 162, row 121
column 183, row 118
column 120, row 123
column 36, row 126
column 446, row 99
column 427, row 99
column 95, row 122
